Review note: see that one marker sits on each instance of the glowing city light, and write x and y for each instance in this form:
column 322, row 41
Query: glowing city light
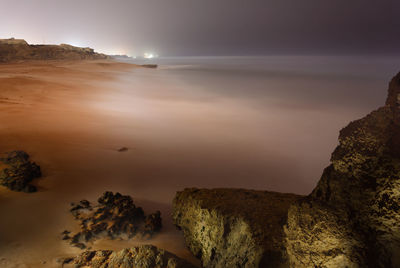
column 148, row 55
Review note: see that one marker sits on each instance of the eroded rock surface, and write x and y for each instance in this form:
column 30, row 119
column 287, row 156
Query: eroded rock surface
column 145, row 256
column 234, row 227
column 18, row 49
column 17, row 172
column 115, row 215
column 352, row 217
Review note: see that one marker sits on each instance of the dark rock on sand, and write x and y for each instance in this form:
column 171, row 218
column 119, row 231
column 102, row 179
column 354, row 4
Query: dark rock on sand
column 153, row 223
column 17, row 172
column 351, row 218
column 145, row 256
column 152, row 66
column 233, row 227
column 65, row 235
column 18, row 49
column 115, row 215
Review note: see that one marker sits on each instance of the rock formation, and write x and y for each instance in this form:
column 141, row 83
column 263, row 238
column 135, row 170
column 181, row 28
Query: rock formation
column 18, row 49
column 351, row 218
column 151, row 66
column 233, row 227
column 145, row 256
column 17, row 172
column 115, row 216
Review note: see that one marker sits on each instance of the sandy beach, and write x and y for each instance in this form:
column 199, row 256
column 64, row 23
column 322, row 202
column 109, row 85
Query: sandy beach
column 46, row 111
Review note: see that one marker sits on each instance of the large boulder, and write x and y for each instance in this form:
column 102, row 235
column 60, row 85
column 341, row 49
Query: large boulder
column 234, row 227
column 145, row 256
column 17, row 172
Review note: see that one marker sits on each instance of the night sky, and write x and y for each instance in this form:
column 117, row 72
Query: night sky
column 209, row 27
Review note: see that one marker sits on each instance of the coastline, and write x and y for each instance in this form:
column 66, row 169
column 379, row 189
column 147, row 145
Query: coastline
column 46, row 109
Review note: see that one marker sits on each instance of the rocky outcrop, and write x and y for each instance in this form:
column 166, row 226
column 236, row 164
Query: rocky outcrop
column 145, row 256
column 233, row 227
column 115, row 215
column 17, row 172
column 17, row 49
column 351, row 218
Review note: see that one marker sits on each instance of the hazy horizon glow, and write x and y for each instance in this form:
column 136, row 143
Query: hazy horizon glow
column 196, row 28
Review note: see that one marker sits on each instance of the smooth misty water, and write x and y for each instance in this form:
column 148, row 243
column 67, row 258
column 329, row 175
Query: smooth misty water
column 259, row 122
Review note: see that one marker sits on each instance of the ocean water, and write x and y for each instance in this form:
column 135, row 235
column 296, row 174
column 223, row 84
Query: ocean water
column 253, row 122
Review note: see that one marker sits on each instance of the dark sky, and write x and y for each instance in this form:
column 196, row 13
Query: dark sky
column 209, row 27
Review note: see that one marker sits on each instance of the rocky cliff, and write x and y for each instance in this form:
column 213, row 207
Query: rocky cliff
column 351, row 218
column 355, row 208
column 17, row 49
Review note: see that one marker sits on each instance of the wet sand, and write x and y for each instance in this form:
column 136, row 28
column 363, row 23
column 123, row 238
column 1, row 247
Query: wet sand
column 45, row 109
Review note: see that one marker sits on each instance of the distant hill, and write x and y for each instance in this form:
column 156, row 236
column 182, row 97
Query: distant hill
column 18, row 49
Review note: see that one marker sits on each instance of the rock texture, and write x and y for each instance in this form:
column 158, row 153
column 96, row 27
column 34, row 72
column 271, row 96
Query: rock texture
column 115, row 216
column 145, row 256
column 351, row 218
column 17, row 172
column 17, row 49
column 233, row 227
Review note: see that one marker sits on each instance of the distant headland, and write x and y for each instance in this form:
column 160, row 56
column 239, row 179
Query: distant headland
column 12, row 50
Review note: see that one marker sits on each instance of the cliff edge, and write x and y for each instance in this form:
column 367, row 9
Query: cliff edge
column 12, row 50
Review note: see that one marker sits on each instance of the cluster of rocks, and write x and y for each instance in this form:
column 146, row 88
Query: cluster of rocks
column 145, row 256
column 18, row 49
column 351, row 218
column 115, row 215
column 17, row 172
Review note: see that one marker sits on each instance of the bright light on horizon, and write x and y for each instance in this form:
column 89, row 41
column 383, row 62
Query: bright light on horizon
column 148, row 55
